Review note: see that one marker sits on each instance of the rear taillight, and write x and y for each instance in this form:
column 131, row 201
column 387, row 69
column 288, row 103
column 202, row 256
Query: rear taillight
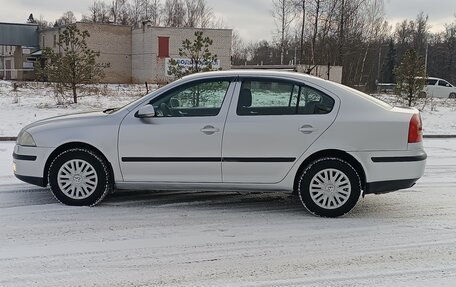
column 415, row 134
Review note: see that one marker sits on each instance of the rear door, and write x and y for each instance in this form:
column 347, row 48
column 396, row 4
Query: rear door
column 270, row 124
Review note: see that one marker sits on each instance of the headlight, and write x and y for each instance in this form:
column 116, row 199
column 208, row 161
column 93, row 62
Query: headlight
column 25, row 139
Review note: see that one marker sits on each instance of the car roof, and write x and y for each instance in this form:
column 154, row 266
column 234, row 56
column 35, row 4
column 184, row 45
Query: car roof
column 262, row 73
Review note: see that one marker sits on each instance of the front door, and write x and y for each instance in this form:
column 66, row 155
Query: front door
column 270, row 124
column 443, row 89
column 182, row 143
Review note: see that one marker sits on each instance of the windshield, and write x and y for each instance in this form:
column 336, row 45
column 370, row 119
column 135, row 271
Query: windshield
column 135, row 102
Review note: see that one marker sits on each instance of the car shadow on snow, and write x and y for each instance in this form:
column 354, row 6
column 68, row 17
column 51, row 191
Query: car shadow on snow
column 371, row 206
column 217, row 200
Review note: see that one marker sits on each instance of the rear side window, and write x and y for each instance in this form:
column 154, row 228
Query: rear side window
column 265, row 97
column 312, row 101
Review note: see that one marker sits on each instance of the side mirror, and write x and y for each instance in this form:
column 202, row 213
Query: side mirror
column 147, row 111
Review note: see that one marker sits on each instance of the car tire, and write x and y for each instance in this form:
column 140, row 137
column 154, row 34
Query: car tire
column 422, row 95
column 452, row 96
column 329, row 187
column 79, row 177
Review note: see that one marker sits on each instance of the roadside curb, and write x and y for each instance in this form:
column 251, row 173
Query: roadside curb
column 11, row 139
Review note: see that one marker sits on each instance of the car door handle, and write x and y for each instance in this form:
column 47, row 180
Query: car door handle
column 209, row 130
column 307, row 129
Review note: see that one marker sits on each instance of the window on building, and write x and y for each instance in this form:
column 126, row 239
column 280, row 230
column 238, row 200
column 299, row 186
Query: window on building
column 55, row 40
column 163, row 47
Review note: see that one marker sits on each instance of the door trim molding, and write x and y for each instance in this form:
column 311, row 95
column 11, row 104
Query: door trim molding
column 208, row 159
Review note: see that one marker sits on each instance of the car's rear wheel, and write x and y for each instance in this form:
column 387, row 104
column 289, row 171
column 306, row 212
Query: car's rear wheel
column 422, row 95
column 329, row 187
column 79, row 177
column 452, row 96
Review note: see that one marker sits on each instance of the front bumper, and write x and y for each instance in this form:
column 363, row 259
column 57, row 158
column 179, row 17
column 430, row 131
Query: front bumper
column 32, row 180
column 29, row 163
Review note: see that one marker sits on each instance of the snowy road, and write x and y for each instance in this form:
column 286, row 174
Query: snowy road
column 406, row 238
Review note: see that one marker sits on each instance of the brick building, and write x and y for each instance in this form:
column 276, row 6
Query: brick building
column 140, row 55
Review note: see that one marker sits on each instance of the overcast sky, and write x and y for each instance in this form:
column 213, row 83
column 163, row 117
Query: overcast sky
column 252, row 18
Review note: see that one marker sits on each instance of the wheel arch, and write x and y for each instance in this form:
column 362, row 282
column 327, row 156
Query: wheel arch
column 71, row 145
column 331, row 153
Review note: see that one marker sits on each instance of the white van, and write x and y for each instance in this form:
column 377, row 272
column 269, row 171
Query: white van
column 438, row 88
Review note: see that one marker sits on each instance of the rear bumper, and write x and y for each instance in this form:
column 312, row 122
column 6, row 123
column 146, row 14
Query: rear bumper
column 379, row 187
column 384, row 169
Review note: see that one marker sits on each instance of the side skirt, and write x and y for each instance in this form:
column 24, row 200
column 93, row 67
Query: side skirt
column 199, row 186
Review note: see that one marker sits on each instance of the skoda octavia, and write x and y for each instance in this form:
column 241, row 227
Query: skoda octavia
column 231, row 130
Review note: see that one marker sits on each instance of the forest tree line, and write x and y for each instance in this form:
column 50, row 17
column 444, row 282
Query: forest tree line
column 350, row 33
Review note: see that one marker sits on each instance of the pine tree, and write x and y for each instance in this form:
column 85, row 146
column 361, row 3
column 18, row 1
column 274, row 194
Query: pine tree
column 74, row 64
column 411, row 76
column 201, row 59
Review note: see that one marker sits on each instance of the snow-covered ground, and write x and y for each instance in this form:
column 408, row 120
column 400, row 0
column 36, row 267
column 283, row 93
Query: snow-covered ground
column 35, row 101
column 405, row 238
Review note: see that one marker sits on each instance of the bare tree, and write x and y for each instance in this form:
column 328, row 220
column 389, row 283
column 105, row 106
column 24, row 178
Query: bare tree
column 420, row 35
column 198, row 13
column 284, row 13
column 117, row 9
column 135, row 12
column 374, row 16
column 66, row 19
column 174, row 13
column 43, row 24
column 317, row 7
column 154, row 9
column 239, row 52
column 99, row 13
column 300, row 7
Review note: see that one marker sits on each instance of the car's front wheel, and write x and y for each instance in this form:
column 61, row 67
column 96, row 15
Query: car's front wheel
column 452, row 96
column 79, row 177
column 329, row 187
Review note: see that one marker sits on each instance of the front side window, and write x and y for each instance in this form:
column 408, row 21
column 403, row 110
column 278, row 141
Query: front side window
column 264, row 97
column 444, row 83
column 193, row 100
